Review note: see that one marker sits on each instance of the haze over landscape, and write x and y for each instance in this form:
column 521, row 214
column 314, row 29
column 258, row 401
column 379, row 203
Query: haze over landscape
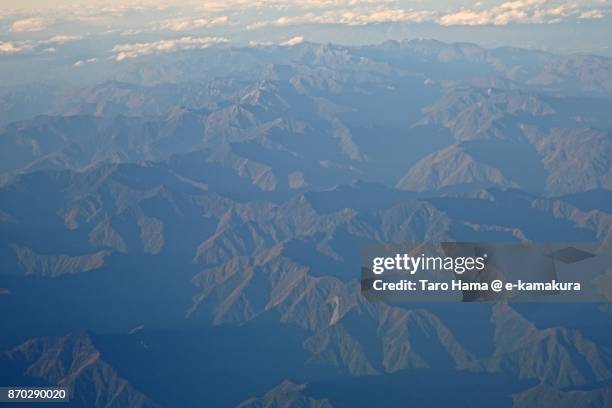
column 185, row 188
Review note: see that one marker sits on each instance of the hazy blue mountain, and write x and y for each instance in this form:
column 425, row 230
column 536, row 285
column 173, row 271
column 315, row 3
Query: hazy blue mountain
column 188, row 232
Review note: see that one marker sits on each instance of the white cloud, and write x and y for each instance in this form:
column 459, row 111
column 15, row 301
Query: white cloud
column 518, row 11
column 352, row 17
column 133, row 50
column 293, row 41
column 193, row 24
column 80, row 63
column 193, row 18
column 62, row 39
column 283, row 5
column 592, row 14
column 127, row 33
column 29, row 25
column 10, row 48
column 364, row 12
column 465, row 17
column 383, row 15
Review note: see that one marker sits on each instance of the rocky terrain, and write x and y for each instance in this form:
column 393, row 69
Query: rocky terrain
column 197, row 242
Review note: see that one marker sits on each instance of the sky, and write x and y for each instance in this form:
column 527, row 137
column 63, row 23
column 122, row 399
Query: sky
column 121, row 30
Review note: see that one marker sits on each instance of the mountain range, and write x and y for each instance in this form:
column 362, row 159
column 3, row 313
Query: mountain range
column 188, row 232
